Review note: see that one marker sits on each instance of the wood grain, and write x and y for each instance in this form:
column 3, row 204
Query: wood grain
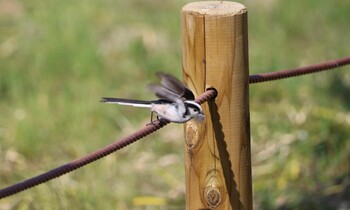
column 217, row 151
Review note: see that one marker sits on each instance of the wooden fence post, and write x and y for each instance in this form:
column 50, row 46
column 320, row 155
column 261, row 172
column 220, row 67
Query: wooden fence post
column 217, row 151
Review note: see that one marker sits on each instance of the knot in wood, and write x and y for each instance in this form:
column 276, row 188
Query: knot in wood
column 192, row 135
column 213, row 197
column 212, row 190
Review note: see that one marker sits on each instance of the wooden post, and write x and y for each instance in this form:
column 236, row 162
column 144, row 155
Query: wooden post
column 217, row 151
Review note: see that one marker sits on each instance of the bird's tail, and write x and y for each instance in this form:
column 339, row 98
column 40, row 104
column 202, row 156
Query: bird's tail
column 128, row 102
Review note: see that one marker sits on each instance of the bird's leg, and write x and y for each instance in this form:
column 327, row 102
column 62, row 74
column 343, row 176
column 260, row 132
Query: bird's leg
column 151, row 116
column 151, row 123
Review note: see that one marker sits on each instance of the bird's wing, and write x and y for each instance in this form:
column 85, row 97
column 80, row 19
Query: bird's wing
column 164, row 93
column 171, row 89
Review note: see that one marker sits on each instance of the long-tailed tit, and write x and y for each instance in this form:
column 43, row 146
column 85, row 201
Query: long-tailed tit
column 176, row 102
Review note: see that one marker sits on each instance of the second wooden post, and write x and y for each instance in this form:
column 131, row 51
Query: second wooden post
column 217, row 151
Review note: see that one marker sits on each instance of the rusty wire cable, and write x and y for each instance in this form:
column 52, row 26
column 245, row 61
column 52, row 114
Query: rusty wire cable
column 299, row 71
column 75, row 164
column 152, row 127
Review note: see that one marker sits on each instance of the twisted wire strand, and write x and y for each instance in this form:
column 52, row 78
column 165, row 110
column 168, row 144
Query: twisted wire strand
column 299, row 71
column 152, row 127
column 75, row 164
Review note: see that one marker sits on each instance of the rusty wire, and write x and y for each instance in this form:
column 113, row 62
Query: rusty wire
column 152, row 127
column 299, row 71
column 75, row 164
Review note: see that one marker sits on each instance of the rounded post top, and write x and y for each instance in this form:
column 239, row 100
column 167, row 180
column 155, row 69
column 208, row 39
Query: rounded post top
column 221, row 8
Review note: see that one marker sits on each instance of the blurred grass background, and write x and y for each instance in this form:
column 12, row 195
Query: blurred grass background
column 57, row 58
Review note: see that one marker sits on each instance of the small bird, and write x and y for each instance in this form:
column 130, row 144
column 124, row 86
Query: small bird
column 175, row 104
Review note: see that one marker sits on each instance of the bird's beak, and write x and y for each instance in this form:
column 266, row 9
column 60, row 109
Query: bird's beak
column 200, row 117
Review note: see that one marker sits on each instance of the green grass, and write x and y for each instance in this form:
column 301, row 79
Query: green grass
column 57, row 58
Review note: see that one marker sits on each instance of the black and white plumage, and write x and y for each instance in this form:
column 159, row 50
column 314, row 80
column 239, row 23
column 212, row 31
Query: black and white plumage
column 176, row 102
